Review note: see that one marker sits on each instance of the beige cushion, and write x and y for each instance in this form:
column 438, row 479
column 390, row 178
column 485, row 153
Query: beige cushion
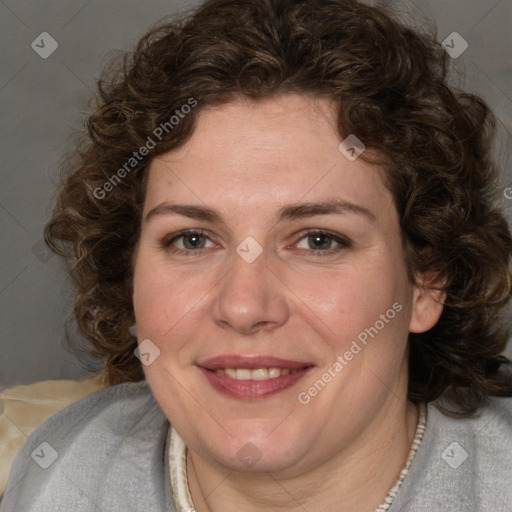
column 23, row 408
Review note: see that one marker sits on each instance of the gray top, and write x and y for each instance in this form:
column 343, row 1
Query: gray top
column 108, row 452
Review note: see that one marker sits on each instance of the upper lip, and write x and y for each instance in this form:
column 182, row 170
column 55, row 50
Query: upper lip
column 250, row 362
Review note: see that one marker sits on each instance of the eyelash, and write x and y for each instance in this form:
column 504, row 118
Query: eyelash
column 344, row 243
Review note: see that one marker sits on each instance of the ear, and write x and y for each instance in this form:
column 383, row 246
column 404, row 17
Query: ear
column 427, row 303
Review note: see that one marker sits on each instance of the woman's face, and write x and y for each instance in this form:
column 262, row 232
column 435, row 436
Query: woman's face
column 293, row 261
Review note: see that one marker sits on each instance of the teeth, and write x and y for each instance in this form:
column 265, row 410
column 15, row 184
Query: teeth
column 259, row 374
column 274, row 372
column 243, row 374
column 256, row 374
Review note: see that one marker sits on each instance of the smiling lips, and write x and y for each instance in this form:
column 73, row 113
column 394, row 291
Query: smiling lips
column 256, row 374
column 252, row 377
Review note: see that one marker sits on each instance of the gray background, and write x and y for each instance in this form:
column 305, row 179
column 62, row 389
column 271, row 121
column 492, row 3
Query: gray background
column 42, row 103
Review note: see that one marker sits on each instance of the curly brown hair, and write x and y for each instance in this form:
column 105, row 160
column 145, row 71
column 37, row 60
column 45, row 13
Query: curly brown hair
column 390, row 87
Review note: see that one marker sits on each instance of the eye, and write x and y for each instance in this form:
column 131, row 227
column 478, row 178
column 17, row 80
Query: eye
column 185, row 242
column 315, row 242
column 318, row 242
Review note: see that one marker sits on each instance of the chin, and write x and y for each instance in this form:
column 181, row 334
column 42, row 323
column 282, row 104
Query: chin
column 258, row 451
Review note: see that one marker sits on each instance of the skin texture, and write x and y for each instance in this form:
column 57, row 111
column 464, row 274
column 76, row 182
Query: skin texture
column 345, row 448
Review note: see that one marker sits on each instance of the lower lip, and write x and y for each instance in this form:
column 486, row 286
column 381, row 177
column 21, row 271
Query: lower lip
column 248, row 389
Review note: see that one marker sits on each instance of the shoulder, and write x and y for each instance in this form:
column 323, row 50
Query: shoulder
column 106, row 450
column 462, row 464
column 483, row 441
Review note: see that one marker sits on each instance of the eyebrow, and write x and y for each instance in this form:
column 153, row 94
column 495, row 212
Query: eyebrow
column 293, row 211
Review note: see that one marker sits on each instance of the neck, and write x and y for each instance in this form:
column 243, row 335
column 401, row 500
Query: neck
column 357, row 478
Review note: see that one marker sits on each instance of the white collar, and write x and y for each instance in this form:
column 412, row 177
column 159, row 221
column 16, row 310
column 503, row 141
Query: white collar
column 178, row 472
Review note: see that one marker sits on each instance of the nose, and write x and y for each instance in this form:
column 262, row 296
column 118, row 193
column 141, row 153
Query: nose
column 250, row 297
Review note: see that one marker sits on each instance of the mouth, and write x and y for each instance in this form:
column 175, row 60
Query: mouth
column 256, row 374
column 252, row 377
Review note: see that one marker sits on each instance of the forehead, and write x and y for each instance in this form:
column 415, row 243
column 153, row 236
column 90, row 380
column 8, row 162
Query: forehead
column 251, row 155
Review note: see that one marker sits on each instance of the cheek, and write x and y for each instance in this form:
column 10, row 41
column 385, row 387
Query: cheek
column 168, row 311
column 163, row 295
column 347, row 301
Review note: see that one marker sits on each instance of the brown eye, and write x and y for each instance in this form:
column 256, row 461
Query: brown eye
column 187, row 241
column 193, row 241
column 320, row 243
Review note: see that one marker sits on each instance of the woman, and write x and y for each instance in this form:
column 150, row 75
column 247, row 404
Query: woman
column 282, row 234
